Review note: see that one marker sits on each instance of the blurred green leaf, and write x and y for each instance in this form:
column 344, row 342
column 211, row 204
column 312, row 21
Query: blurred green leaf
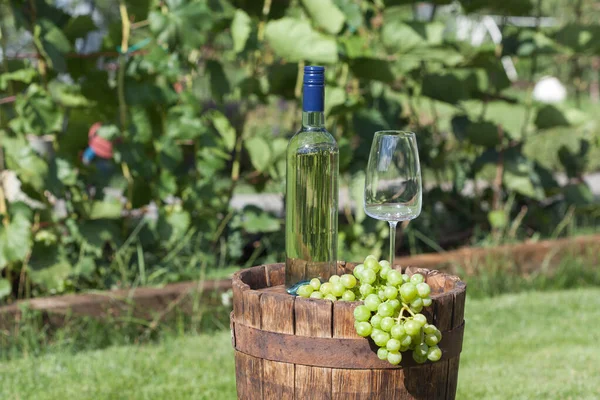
column 20, row 157
column 584, row 39
column 449, row 86
column 110, row 208
column 574, row 163
column 240, row 30
column 52, row 43
column 37, row 112
column 483, row 134
column 520, row 175
column 172, row 226
column 5, row 288
column 15, row 240
column 186, row 23
column 68, row 95
column 498, row 219
column 549, row 116
column 506, row 7
column 258, row 221
column 78, row 27
column 372, row 69
column 402, row 37
column 219, row 84
column 24, row 75
column 108, row 132
column 295, row 40
column 49, row 268
column 227, row 132
column 326, row 15
column 578, row 194
column 259, row 151
column 167, row 184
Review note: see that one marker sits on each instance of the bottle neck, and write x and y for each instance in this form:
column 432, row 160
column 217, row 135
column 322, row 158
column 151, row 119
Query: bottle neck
column 313, row 119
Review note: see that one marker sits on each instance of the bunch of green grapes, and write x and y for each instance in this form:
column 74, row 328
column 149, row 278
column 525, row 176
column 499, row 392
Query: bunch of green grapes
column 390, row 313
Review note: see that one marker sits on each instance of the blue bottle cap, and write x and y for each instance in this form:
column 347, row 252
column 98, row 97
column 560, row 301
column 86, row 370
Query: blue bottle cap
column 314, row 75
column 313, row 99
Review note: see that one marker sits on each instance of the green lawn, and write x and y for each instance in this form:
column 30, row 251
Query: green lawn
column 525, row 346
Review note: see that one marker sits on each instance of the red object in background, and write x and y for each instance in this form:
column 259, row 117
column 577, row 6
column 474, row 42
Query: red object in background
column 101, row 147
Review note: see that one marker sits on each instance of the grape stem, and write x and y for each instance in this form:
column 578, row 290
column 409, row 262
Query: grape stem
column 404, row 308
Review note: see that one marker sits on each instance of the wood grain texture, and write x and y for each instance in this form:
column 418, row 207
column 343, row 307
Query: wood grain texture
column 351, row 384
column 277, row 312
column 278, row 380
column 389, row 384
column 252, row 312
column 343, row 319
column 313, row 317
column 248, row 376
column 312, row 383
column 275, row 274
column 458, row 312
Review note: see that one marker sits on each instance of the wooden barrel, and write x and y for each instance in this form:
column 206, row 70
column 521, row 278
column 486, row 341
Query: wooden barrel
column 290, row 347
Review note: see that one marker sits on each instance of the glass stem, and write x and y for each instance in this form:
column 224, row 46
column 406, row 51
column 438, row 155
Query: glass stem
column 392, row 241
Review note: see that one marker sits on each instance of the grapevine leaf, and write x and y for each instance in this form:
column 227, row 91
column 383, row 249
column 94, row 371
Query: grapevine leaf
column 260, row 152
column 240, row 30
column 227, row 132
column 258, row 221
column 296, row 40
column 5, row 288
column 15, row 240
column 107, row 209
column 326, row 15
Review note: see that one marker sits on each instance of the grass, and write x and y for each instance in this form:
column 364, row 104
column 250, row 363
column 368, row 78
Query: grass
column 533, row 345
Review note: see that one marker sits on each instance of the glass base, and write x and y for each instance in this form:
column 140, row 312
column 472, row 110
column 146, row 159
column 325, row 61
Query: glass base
column 293, row 290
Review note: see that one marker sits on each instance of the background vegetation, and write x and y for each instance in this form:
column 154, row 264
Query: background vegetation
column 199, row 99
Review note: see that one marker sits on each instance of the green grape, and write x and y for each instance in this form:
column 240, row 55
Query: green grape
column 334, row 278
column 305, row 291
column 381, row 339
column 337, row 289
column 372, row 302
column 381, row 294
column 394, row 278
column 363, row 329
column 384, row 264
column 385, row 310
column 368, row 276
column 349, row 281
column 376, row 320
column 403, row 348
column 405, row 278
column 393, row 345
column 330, row 297
column 421, row 319
column 412, row 327
column 406, row 341
column 370, row 256
column 366, row 289
column 438, row 334
column 372, row 264
column 427, row 302
column 358, row 270
column 390, row 292
column 419, row 359
column 383, row 272
column 394, row 357
column 408, row 292
column 417, row 308
column 387, row 323
column 422, row 349
column 434, row 353
column 416, row 279
column 382, row 353
column 348, row 296
column 316, row 295
column 429, row 329
column 415, row 340
column 394, row 303
column 362, row 313
column 423, row 289
column 325, row 288
column 375, row 332
column 315, row 283
column 431, row 340
column 398, row 332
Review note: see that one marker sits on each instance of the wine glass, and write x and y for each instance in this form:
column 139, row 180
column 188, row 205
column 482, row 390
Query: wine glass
column 393, row 187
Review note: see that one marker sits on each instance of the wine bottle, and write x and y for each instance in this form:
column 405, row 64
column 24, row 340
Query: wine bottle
column 311, row 223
